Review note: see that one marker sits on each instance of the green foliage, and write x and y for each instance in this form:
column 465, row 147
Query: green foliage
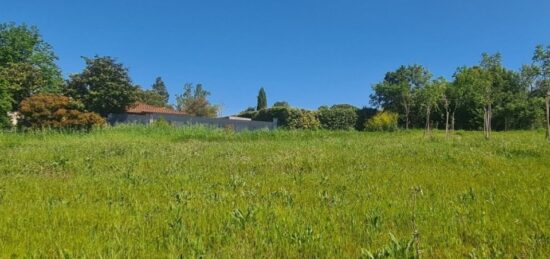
column 56, row 112
column 338, row 118
column 396, row 92
column 363, row 115
column 288, row 118
column 145, row 191
column 250, row 112
column 27, row 62
column 430, row 96
column 104, row 86
column 160, row 88
column 528, row 75
column 343, row 106
column 541, row 58
column 195, row 102
column 161, row 122
column 281, row 104
column 279, row 113
column 302, row 119
column 262, row 100
column 486, row 95
column 157, row 95
column 382, row 121
column 396, row 249
column 150, row 97
column 5, row 104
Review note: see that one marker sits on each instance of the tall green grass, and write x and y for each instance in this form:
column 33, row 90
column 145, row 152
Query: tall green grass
column 141, row 191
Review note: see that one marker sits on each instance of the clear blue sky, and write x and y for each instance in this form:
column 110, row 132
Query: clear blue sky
column 306, row 52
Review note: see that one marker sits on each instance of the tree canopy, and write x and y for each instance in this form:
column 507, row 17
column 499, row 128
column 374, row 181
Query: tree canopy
column 5, row 104
column 27, row 63
column 281, row 104
column 104, row 86
column 396, row 92
column 160, row 88
column 262, row 100
column 194, row 101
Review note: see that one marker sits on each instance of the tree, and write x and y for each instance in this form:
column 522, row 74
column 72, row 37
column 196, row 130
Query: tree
column 5, row 104
column 482, row 88
column 395, row 93
column 489, row 63
column 281, row 104
column 343, row 106
column 249, row 112
column 528, row 76
column 27, row 62
column 453, row 98
column 512, row 105
column 503, row 96
column 477, row 88
column 104, row 86
column 151, row 97
column 262, row 100
column 160, row 88
column 195, row 102
column 541, row 58
column 429, row 97
column 157, row 95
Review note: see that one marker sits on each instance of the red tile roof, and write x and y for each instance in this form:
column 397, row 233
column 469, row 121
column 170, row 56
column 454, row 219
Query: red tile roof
column 146, row 108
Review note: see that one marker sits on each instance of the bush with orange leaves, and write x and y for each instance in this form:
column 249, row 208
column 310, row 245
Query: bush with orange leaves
column 56, row 112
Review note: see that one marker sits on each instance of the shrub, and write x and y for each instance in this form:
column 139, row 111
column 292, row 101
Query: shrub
column 57, row 112
column 343, row 106
column 363, row 115
column 289, row 118
column 338, row 118
column 161, row 122
column 279, row 113
column 229, row 128
column 248, row 113
column 302, row 119
column 281, row 104
column 382, row 121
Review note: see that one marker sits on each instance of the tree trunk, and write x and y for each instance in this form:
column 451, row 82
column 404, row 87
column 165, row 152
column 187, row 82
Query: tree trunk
column 453, row 122
column 427, row 132
column 407, row 118
column 485, row 118
column 489, row 119
column 447, row 123
column 506, row 123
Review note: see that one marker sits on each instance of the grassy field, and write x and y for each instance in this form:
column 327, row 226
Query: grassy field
column 136, row 191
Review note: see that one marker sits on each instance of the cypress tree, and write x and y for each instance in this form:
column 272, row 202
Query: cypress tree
column 262, row 100
column 160, row 89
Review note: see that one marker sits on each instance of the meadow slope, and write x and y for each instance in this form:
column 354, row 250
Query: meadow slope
column 135, row 191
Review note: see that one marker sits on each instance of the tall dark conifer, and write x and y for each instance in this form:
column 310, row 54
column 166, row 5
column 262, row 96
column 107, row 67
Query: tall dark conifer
column 160, row 88
column 262, row 100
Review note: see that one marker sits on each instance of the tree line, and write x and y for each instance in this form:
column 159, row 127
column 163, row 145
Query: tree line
column 486, row 96
column 28, row 69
